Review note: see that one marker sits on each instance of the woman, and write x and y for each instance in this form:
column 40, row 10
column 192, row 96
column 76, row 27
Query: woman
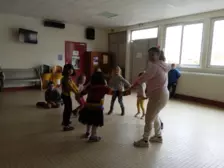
column 158, row 94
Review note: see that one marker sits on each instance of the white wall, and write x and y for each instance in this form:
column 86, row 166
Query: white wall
column 14, row 54
column 204, row 82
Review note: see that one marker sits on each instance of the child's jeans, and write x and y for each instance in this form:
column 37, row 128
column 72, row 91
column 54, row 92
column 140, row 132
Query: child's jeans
column 117, row 94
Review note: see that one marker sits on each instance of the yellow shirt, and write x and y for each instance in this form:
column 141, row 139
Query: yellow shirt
column 69, row 87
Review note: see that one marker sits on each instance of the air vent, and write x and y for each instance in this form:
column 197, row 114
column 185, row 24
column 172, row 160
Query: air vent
column 108, row 14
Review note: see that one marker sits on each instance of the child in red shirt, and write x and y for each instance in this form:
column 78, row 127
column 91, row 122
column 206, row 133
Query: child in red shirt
column 92, row 113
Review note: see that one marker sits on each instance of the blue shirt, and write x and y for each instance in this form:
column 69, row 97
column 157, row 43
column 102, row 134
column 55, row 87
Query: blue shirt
column 173, row 76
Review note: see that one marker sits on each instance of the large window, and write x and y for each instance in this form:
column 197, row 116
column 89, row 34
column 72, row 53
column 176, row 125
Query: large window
column 183, row 44
column 144, row 34
column 217, row 51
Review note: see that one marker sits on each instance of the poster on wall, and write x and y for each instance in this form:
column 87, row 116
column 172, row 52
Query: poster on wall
column 75, row 62
column 95, row 61
column 105, row 59
column 60, row 57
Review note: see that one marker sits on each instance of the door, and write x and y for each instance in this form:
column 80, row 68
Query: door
column 117, row 45
column 139, row 55
column 74, row 54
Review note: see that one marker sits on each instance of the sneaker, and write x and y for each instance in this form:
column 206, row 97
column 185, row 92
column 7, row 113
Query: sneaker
column 142, row 117
column 75, row 113
column 141, row 143
column 162, row 126
column 110, row 112
column 68, row 128
column 156, row 139
column 85, row 136
column 122, row 112
column 64, row 124
column 136, row 115
column 94, row 139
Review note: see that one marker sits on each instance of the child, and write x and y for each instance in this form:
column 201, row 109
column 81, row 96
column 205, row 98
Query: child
column 173, row 77
column 68, row 87
column 2, row 78
column 141, row 97
column 80, row 82
column 52, row 98
column 92, row 113
column 117, row 83
column 158, row 94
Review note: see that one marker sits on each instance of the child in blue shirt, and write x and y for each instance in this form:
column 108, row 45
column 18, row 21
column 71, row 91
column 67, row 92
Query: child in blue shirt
column 173, row 77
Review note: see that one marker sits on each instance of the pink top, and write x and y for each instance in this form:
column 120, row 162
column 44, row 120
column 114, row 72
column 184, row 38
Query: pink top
column 156, row 76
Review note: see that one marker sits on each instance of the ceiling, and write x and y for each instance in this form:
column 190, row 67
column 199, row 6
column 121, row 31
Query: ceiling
column 89, row 12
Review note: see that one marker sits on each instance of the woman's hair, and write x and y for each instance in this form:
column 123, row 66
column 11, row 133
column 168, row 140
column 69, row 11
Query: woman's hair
column 79, row 79
column 154, row 50
column 159, row 52
column 98, row 79
column 141, row 73
column 97, row 69
column 162, row 56
column 117, row 67
column 66, row 68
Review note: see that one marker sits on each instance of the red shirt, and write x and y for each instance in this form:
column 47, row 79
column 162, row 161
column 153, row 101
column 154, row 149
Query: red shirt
column 96, row 93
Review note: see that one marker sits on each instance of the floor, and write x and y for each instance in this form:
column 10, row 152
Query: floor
column 32, row 138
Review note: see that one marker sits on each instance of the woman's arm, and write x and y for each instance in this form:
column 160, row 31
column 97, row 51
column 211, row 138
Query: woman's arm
column 149, row 74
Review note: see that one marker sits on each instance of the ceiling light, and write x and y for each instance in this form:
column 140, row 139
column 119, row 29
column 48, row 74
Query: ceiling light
column 108, row 14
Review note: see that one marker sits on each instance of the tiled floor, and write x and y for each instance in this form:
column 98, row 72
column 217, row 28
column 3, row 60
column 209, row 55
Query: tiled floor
column 32, row 138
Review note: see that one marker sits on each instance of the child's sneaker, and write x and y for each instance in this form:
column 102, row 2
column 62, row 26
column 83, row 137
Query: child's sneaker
column 142, row 117
column 156, row 139
column 136, row 115
column 94, row 139
column 162, row 126
column 85, row 136
column 141, row 143
column 68, row 128
column 110, row 112
column 64, row 124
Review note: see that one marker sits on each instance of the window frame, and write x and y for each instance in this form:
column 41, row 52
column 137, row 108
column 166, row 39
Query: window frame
column 211, row 35
column 146, row 29
column 202, row 21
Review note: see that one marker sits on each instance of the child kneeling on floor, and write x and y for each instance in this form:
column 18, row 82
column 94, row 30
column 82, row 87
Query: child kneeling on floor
column 52, row 98
column 92, row 113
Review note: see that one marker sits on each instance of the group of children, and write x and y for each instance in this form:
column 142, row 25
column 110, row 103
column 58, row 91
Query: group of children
column 151, row 84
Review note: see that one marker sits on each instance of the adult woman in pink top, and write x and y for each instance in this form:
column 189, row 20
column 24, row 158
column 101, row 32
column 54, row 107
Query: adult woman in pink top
column 158, row 94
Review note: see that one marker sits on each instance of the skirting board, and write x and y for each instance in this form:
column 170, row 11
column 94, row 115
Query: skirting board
column 200, row 100
column 13, row 89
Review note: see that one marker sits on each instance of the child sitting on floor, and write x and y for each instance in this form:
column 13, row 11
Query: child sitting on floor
column 92, row 113
column 52, row 98
column 80, row 83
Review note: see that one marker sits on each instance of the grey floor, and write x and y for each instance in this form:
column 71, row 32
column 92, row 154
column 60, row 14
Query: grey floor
column 32, row 138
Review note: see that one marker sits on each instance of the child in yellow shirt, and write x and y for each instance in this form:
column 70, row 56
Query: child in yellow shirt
column 68, row 87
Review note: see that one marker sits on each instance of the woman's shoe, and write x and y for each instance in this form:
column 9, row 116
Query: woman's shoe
column 68, row 128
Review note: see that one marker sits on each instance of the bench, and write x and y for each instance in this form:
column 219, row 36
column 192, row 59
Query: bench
column 21, row 77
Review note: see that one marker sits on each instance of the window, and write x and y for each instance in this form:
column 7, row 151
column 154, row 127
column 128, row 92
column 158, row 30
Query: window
column 144, row 34
column 217, row 51
column 173, row 44
column 183, row 44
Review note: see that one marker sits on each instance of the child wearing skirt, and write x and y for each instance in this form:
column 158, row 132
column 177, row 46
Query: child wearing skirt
column 92, row 113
